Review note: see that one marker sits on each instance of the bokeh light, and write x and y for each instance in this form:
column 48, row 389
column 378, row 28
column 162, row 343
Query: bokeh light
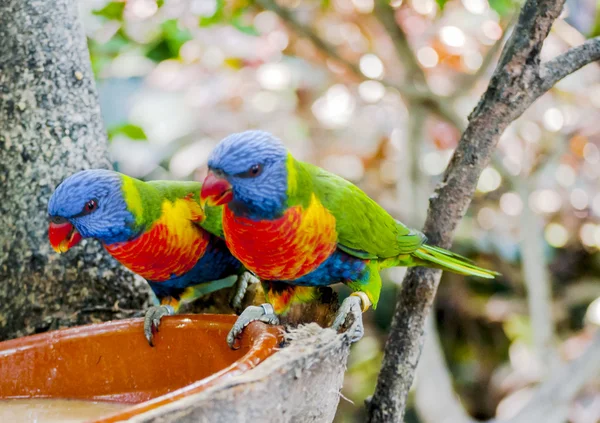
column 545, row 201
column 489, row 180
column 428, row 57
column 452, row 36
column 556, row 235
column 579, row 199
column 511, row 204
column 371, row 66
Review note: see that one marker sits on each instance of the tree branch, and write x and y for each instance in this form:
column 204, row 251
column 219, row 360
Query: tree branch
column 515, row 85
column 567, row 63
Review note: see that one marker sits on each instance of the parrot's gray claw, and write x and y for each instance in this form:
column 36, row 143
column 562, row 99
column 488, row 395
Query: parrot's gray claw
column 349, row 316
column 152, row 320
column 263, row 313
column 241, row 285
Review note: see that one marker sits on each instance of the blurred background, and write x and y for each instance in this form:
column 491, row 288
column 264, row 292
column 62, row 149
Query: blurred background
column 384, row 108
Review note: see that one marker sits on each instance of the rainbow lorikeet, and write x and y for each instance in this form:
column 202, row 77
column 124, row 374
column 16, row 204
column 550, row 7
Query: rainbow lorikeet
column 295, row 226
column 156, row 229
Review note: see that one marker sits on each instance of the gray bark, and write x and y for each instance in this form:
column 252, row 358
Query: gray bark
column 50, row 127
column 517, row 82
column 300, row 383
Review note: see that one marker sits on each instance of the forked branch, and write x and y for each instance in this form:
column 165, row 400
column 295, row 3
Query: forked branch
column 516, row 83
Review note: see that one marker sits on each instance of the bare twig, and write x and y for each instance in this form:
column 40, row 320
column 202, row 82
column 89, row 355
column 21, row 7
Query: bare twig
column 567, row 63
column 515, row 85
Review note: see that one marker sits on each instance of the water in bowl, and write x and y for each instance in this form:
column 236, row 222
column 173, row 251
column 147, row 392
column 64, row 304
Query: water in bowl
column 55, row 410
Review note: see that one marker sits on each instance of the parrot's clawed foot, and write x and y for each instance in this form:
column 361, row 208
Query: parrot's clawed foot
column 152, row 320
column 263, row 313
column 241, row 286
column 350, row 315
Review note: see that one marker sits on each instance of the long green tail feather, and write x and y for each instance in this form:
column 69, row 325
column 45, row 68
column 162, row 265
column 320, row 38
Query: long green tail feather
column 447, row 260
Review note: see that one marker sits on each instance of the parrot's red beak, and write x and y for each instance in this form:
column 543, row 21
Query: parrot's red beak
column 62, row 235
column 215, row 190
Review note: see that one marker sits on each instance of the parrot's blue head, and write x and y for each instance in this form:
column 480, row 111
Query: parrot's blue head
column 248, row 170
column 89, row 204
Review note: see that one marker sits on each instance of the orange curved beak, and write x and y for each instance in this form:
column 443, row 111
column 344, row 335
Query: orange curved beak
column 215, row 191
column 63, row 236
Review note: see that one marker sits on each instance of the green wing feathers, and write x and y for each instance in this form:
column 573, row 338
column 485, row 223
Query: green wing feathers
column 431, row 256
column 364, row 228
column 367, row 231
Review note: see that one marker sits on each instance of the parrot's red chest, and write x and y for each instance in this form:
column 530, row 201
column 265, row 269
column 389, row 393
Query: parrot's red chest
column 170, row 248
column 286, row 248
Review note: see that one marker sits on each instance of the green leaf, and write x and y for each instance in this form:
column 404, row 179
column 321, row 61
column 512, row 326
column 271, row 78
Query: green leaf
column 441, row 3
column 116, row 44
column 169, row 42
column 595, row 30
column 129, row 130
column 113, row 11
column 503, row 7
column 174, row 34
column 159, row 51
column 246, row 29
column 103, row 54
column 237, row 21
column 232, row 15
column 160, row 3
column 518, row 327
column 217, row 17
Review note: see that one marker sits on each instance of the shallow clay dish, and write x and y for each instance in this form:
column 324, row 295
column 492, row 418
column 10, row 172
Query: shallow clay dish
column 113, row 361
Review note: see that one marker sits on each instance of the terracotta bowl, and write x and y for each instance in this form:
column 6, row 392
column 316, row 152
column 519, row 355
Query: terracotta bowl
column 113, row 362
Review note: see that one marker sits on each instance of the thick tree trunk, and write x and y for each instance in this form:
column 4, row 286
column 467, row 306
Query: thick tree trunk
column 50, row 127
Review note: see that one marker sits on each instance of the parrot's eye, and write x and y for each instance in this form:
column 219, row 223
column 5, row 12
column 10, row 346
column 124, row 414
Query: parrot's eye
column 90, row 206
column 253, row 172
